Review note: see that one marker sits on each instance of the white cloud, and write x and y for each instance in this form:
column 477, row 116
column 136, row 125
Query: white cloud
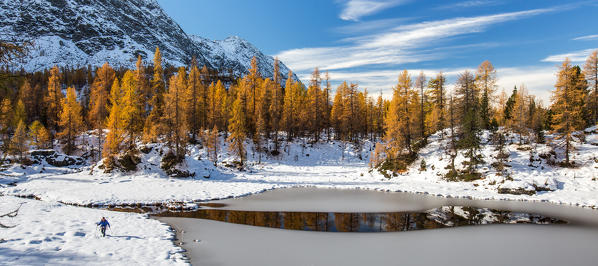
column 355, row 9
column 576, row 56
column 398, row 45
column 586, row 38
column 468, row 4
column 538, row 79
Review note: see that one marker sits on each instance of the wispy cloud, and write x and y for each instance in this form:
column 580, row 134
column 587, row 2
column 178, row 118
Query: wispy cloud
column 371, row 26
column 355, row 9
column 469, row 4
column 576, row 56
column 397, row 45
column 586, row 38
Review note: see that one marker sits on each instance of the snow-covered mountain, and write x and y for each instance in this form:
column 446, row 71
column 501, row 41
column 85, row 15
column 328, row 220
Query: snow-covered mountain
column 236, row 54
column 82, row 32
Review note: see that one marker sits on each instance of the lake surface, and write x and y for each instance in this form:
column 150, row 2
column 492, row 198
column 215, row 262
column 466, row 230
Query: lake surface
column 247, row 231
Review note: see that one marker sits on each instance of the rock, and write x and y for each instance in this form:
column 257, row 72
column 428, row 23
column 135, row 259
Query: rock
column 516, row 191
column 545, row 184
column 517, row 188
column 55, row 159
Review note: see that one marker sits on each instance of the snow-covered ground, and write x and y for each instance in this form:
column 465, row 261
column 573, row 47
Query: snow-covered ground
column 47, row 233
column 323, row 165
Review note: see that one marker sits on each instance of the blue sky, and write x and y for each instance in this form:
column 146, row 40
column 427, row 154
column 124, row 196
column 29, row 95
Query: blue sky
column 370, row 41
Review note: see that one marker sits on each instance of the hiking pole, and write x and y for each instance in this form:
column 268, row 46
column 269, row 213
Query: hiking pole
column 111, row 233
column 95, row 231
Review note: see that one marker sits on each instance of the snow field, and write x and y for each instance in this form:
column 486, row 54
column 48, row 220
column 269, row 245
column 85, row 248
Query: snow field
column 56, row 234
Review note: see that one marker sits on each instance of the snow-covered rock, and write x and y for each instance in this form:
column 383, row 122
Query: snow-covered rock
column 54, row 158
column 519, row 187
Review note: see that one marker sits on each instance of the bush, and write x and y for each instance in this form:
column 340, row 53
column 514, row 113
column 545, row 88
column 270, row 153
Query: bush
column 398, row 164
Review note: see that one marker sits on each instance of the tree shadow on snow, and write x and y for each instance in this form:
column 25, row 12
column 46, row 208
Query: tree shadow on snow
column 127, row 237
column 37, row 257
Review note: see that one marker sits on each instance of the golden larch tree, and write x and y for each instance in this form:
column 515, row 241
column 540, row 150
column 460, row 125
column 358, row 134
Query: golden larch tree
column 71, row 121
column 18, row 114
column 6, row 111
column 237, row 128
column 212, row 144
column 116, row 122
column 567, row 106
column 194, row 101
column 314, row 94
column 399, row 126
column 153, row 127
column 98, row 102
column 53, row 100
column 18, row 143
column 133, row 107
column 486, row 83
column 175, row 113
column 39, row 135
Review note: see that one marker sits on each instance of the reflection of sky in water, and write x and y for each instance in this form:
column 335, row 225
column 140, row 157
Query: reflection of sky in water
column 446, row 216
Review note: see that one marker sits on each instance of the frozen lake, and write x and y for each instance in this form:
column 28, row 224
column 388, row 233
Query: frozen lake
column 212, row 242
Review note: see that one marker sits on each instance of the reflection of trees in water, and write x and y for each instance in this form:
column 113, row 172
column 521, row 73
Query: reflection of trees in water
column 293, row 220
column 446, row 216
column 346, row 222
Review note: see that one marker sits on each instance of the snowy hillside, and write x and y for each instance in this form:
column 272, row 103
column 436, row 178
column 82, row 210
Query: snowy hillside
column 80, row 32
column 326, row 165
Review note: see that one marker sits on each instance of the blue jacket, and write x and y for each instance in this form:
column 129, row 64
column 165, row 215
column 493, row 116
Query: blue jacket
column 104, row 223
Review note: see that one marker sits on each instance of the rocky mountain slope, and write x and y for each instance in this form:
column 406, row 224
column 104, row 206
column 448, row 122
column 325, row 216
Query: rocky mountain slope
column 82, row 32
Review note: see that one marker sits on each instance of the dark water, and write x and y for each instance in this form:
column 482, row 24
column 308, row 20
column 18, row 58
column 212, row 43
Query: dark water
column 446, row 216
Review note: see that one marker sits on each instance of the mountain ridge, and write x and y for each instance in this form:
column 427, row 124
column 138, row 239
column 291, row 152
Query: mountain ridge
column 85, row 32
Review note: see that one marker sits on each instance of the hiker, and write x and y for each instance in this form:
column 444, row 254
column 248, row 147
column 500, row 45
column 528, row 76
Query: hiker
column 103, row 223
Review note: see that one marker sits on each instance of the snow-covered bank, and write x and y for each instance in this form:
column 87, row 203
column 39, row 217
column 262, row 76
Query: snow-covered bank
column 324, row 165
column 218, row 243
column 56, row 234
